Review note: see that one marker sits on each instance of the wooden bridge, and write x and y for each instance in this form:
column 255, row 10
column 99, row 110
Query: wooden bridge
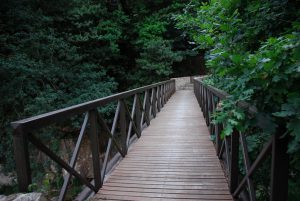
column 174, row 159
column 178, row 156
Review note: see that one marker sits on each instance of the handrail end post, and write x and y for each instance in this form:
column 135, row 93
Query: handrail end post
column 279, row 168
column 234, row 166
column 21, row 154
column 95, row 148
column 123, row 128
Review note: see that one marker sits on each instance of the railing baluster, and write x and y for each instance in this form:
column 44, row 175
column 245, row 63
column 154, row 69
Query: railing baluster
column 138, row 116
column 234, row 162
column 36, row 142
column 204, row 102
column 22, row 159
column 218, row 138
column 207, row 106
column 108, row 133
column 279, row 168
column 151, row 104
column 227, row 153
column 261, row 156
column 131, row 122
column 158, row 98
column 247, row 166
column 113, row 129
column 123, row 123
column 167, row 91
column 220, row 153
column 212, row 110
column 162, row 95
column 73, row 160
column 146, row 107
column 154, row 102
column 170, row 90
column 201, row 97
column 95, row 148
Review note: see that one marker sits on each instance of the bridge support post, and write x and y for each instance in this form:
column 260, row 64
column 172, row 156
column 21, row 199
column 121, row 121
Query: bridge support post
column 123, row 127
column 20, row 143
column 218, row 129
column 158, row 98
column 154, row 102
column 147, row 115
column 95, row 148
column 280, row 163
column 234, row 166
column 138, row 116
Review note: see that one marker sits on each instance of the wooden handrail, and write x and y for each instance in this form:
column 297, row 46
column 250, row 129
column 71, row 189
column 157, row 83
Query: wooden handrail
column 228, row 149
column 51, row 117
column 130, row 124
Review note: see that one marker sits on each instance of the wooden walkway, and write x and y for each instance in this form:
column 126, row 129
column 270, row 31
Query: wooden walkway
column 173, row 160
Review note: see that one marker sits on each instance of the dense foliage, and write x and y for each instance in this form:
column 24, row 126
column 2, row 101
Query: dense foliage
column 253, row 53
column 55, row 54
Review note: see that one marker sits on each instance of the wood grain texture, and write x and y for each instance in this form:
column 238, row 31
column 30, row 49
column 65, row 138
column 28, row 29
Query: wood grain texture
column 173, row 160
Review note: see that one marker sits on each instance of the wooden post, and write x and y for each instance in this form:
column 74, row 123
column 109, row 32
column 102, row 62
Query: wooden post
column 163, row 100
column 158, row 95
column 123, row 123
column 206, row 107
column 20, row 143
column 234, row 162
column 279, row 169
column 218, row 138
column 154, row 102
column 147, row 107
column 211, row 111
column 95, row 148
column 169, row 91
column 138, row 116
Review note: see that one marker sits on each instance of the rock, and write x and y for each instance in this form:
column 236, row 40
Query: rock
column 24, row 197
column 84, row 164
column 6, row 179
column 9, row 197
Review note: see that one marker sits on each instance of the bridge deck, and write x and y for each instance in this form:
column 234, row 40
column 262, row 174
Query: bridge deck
column 174, row 159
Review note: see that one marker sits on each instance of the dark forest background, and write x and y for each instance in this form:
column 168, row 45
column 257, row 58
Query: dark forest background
column 55, row 54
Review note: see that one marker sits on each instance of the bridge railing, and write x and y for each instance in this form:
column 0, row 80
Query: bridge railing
column 147, row 101
column 231, row 148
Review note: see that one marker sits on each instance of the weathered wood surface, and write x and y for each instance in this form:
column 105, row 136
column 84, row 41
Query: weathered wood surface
column 173, row 160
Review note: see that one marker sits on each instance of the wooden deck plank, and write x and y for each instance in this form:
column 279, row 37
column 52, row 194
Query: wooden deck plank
column 173, row 160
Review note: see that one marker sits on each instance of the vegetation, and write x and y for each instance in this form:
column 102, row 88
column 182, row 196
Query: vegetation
column 55, row 54
column 253, row 53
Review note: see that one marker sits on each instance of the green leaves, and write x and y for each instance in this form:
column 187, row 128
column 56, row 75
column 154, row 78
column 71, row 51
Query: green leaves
column 156, row 52
column 227, row 131
column 293, row 127
column 253, row 53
